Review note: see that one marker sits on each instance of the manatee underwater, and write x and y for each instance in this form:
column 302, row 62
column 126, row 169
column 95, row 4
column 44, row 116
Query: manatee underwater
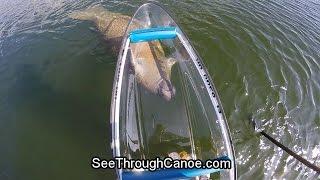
column 152, row 69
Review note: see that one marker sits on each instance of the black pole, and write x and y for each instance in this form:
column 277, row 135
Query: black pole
column 299, row 158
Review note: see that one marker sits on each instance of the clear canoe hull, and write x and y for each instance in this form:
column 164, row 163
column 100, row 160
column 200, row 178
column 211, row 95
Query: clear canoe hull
column 164, row 101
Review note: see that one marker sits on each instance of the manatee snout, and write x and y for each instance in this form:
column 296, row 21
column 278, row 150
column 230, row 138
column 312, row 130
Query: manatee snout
column 166, row 90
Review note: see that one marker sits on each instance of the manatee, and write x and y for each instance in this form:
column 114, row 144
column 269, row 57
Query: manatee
column 112, row 25
column 152, row 69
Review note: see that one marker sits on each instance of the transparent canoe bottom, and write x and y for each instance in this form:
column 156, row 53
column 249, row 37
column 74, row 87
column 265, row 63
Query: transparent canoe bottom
column 151, row 126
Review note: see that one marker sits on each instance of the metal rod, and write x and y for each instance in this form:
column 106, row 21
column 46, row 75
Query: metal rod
column 286, row 149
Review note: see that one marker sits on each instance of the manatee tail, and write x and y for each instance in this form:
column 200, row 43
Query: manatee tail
column 88, row 14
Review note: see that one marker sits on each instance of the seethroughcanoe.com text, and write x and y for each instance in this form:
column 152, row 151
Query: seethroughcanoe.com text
column 157, row 163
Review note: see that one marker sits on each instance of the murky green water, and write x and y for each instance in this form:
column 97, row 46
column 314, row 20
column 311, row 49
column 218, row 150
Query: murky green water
column 56, row 77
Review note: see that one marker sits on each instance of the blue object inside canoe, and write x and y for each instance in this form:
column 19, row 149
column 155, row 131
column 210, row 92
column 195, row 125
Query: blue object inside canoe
column 170, row 173
column 150, row 34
